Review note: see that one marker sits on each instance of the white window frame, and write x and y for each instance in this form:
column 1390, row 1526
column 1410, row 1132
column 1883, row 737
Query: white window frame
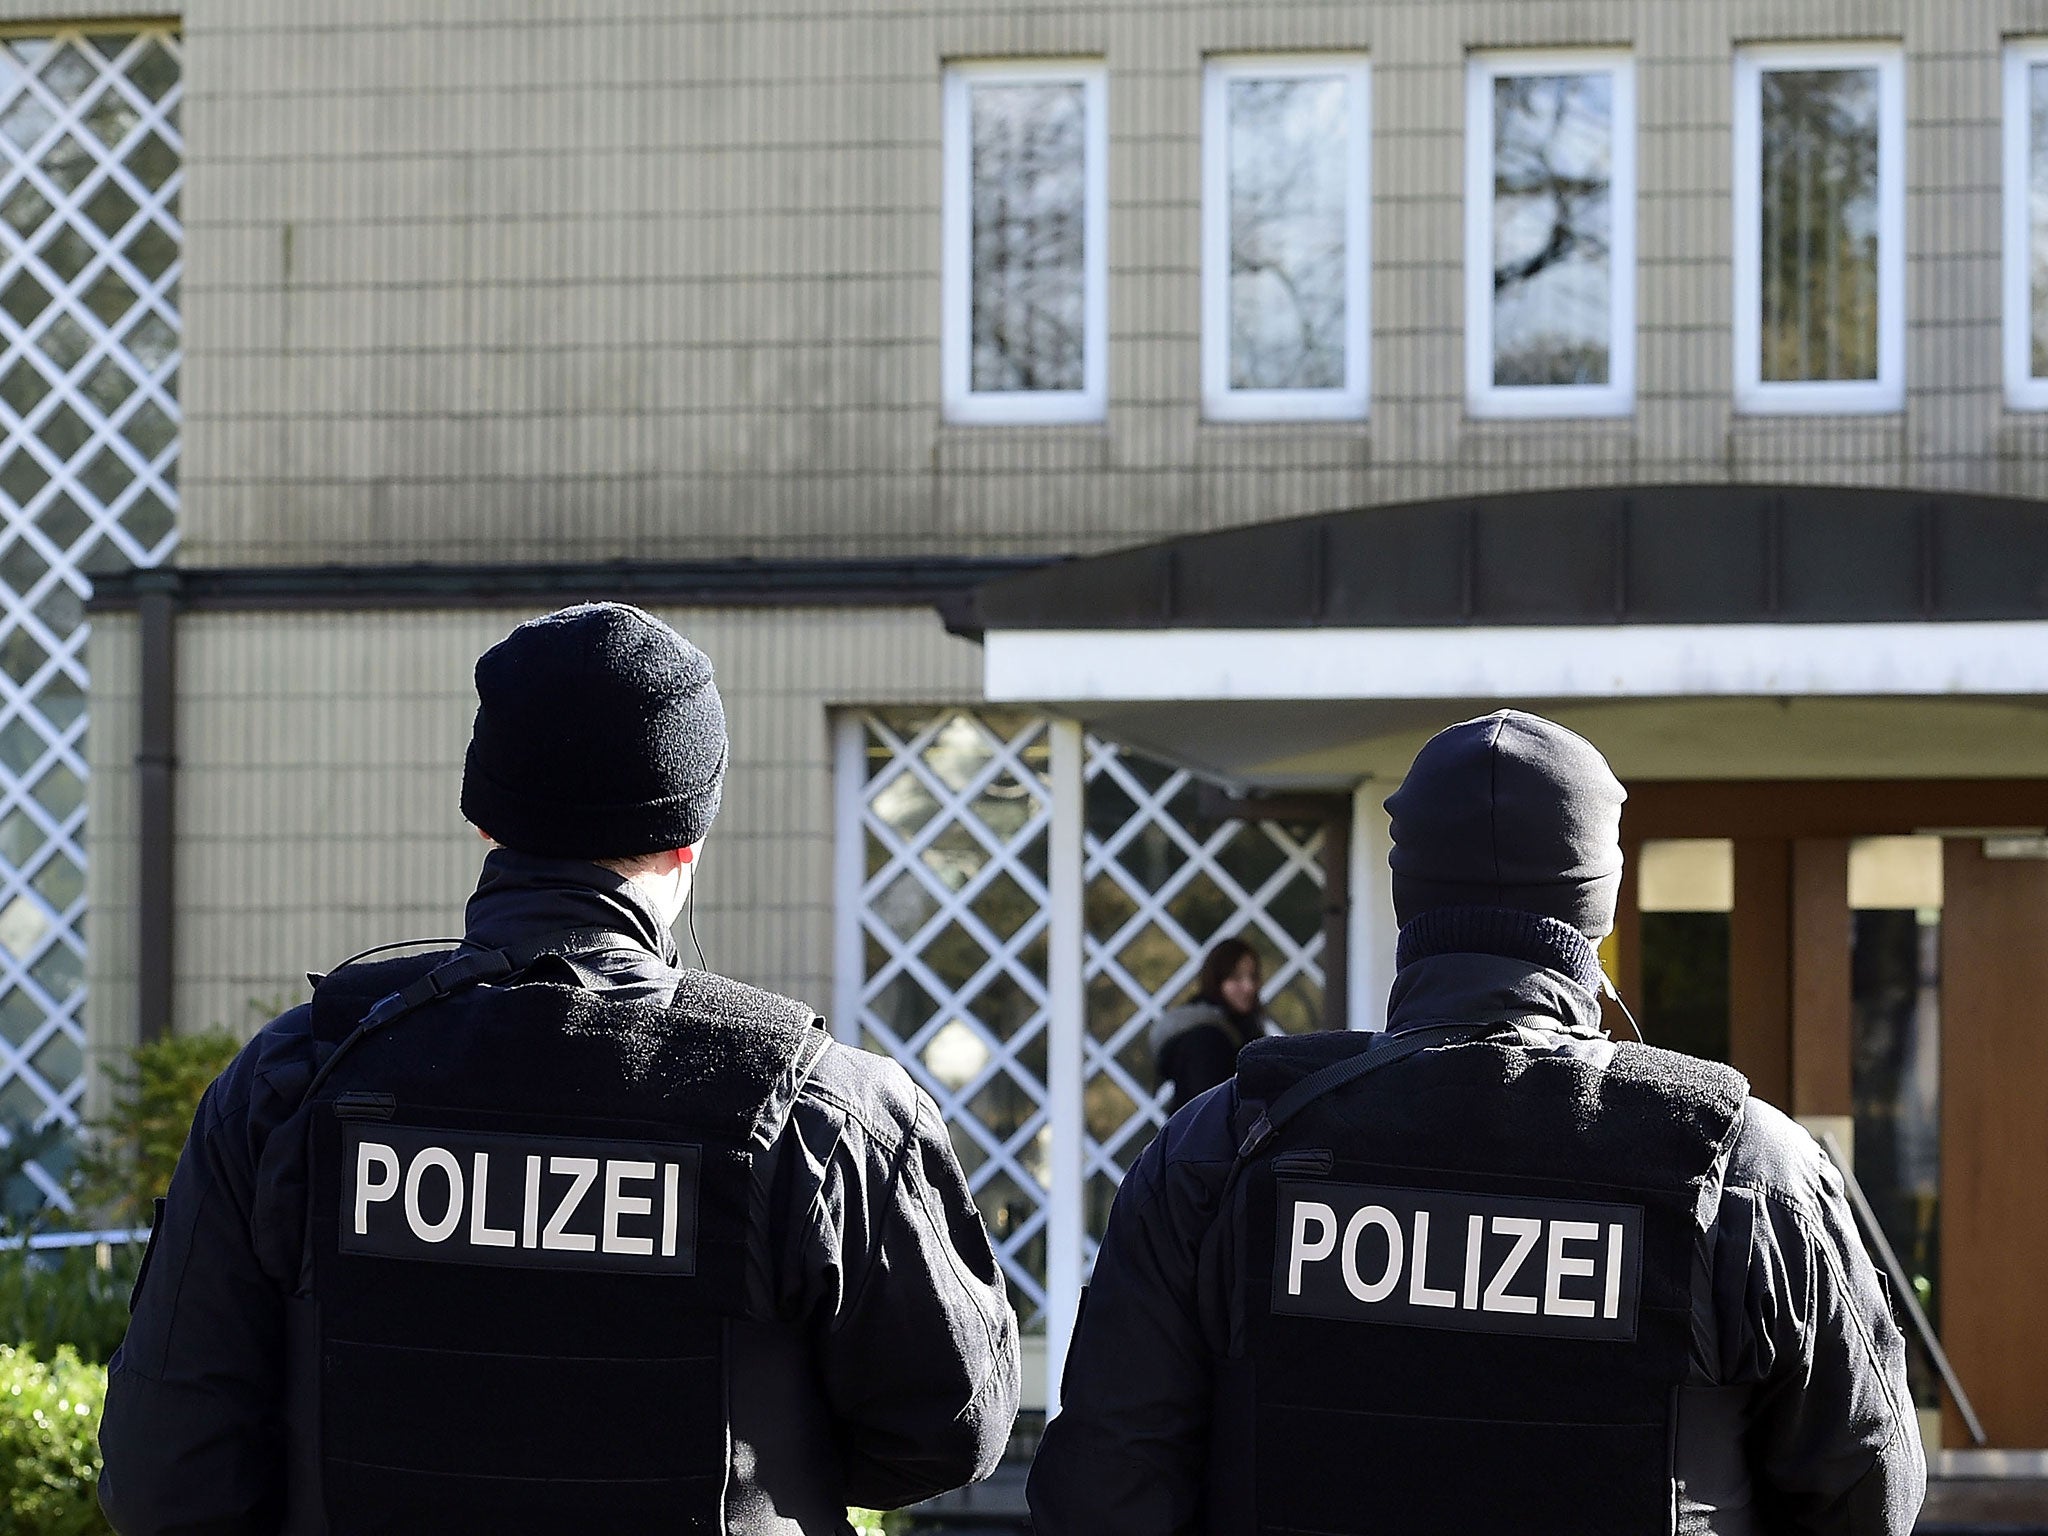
column 1887, row 392
column 963, row 403
column 1483, row 397
column 1352, row 400
column 2023, row 390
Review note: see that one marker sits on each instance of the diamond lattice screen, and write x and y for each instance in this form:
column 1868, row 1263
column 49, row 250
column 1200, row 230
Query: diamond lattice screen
column 953, row 916
column 953, row 913
column 90, row 170
column 1161, row 886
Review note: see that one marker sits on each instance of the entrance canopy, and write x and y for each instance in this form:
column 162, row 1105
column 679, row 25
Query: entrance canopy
column 1694, row 631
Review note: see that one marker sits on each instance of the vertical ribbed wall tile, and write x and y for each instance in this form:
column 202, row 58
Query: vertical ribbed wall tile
column 319, row 774
column 492, row 282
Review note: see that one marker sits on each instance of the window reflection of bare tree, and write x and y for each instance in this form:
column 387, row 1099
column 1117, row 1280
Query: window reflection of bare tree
column 1288, row 154
column 1029, row 174
column 1820, row 146
column 2037, row 203
column 2038, row 209
column 1552, row 180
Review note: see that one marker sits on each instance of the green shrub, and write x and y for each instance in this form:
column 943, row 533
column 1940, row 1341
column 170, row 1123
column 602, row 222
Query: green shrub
column 52, row 1148
column 156, row 1091
column 49, row 1447
column 74, row 1296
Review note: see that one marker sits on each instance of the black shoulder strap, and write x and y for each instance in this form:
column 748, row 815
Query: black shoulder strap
column 1382, row 1052
column 471, row 968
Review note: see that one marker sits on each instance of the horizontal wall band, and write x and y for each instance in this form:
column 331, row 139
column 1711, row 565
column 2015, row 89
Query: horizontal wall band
column 1912, row 659
column 698, row 583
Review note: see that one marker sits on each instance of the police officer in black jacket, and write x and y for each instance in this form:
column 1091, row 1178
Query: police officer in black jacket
column 543, row 1233
column 1490, row 1271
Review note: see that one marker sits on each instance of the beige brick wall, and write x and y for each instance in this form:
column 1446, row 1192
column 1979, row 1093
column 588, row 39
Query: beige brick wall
column 319, row 769
column 582, row 280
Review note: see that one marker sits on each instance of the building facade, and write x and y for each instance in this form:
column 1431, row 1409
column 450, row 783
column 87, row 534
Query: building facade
column 1674, row 365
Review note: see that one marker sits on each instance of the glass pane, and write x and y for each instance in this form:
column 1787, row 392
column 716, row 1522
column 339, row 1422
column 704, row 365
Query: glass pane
column 1895, row 984
column 1029, row 152
column 1820, row 235
column 2037, row 212
column 1684, row 1005
column 1289, row 158
column 1553, row 149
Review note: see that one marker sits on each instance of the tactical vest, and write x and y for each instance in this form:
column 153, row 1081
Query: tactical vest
column 1464, row 1300
column 529, row 1221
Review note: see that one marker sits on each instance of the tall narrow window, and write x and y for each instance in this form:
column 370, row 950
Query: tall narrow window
column 2026, row 226
column 1820, row 199
column 1024, row 268
column 1550, row 235
column 1285, row 200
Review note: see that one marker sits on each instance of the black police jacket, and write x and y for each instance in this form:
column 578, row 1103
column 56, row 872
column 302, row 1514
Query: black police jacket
column 887, row 1370
column 1795, row 1415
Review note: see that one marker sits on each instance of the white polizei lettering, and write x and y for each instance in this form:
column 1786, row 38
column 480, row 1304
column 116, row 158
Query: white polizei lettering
column 369, row 1152
column 1300, row 1253
column 1524, row 1230
column 1613, row 1302
column 451, row 1218
column 583, row 1170
column 1475, row 1234
column 1380, row 1289
column 481, row 1233
column 1556, row 1266
column 617, row 1204
column 671, row 1174
column 529, row 1223
column 1420, row 1292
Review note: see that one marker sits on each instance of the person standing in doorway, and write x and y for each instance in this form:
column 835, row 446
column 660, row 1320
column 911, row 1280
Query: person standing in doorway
column 1195, row 1046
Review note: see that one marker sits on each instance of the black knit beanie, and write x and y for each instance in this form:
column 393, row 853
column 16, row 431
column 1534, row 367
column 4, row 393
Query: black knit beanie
column 599, row 735
column 1514, row 811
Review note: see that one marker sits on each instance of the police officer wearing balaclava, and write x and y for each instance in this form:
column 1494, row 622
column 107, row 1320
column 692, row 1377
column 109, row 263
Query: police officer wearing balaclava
column 1490, row 1271
column 545, row 1233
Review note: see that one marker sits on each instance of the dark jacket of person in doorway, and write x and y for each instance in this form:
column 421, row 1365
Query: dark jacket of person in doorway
column 1195, row 1046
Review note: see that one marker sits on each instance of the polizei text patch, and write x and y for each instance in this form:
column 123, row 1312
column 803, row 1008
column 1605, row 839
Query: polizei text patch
column 531, row 1202
column 1436, row 1258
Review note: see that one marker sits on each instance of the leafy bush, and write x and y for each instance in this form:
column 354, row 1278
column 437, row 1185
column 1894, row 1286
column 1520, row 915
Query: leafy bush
column 155, row 1093
column 49, row 1450
column 74, row 1296
column 53, row 1149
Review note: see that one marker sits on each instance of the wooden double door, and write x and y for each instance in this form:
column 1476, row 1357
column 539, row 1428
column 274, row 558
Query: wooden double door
column 1795, row 1027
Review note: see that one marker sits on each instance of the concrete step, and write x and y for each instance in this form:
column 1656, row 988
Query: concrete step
column 1983, row 1506
column 1954, row 1507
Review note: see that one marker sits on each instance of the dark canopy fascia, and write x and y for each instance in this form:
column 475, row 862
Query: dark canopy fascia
column 1660, row 554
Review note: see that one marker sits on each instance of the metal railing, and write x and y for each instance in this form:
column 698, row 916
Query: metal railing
column 39, row 1240
column 1901, row 1286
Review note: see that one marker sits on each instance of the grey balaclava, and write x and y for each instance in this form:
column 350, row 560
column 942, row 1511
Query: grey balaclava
column 1509, row 810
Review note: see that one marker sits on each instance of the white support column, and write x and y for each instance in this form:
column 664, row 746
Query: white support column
column 849, row 809
column 1373, row 927
column 1066, row 1026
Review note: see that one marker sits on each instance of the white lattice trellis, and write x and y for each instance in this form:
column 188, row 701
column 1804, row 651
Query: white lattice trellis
column 945, row 923
column 1160, row 889
column 91, row 165
column 952, row 911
